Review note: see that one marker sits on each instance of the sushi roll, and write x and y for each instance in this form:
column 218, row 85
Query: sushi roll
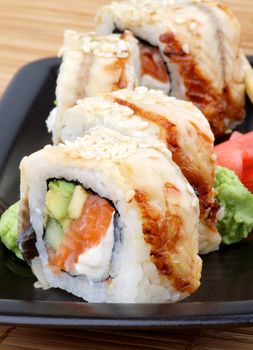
column 199, row 43
column 149, row 114
column 93, row 64
column 114, row 220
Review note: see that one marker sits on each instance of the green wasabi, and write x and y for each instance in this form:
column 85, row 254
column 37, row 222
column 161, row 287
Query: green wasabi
column 9, row 229
column 237, row 202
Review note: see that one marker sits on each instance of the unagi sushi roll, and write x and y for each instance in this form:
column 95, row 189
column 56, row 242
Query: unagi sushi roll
column 93, row 64
column 199, row 45
column 149, row 114
column 112, row 219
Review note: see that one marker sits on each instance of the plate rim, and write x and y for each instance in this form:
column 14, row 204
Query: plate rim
column 212, row 314
column 14, row 311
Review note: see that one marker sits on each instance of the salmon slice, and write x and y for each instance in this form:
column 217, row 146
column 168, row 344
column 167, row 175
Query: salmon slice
column 84, row 233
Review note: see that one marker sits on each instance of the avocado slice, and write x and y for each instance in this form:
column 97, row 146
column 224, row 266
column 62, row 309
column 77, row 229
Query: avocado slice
column 58, row 197
column 77, row 202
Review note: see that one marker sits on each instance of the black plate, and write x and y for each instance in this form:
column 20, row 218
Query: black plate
column 226, row 293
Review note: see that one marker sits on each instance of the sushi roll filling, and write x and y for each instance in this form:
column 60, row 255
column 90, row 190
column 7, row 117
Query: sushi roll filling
column 154, row 73
column 79, row 230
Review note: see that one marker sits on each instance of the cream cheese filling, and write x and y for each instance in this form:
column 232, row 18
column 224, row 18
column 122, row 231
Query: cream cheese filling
column 95, row 262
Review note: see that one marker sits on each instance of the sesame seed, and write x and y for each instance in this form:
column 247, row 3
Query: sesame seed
column 141, row 89
column 186, row 48
column 180, row 20
column 143, row 125
column 129, row 195
column 193, row 26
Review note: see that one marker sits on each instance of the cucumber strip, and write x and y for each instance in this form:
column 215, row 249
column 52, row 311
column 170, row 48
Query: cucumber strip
column 54, row 234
